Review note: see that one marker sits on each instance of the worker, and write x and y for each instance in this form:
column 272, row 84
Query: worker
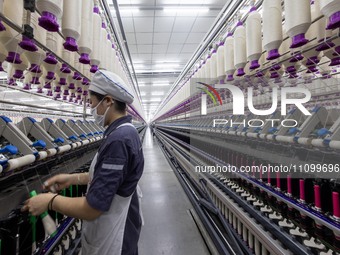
column 153, row 130
column 110, row 210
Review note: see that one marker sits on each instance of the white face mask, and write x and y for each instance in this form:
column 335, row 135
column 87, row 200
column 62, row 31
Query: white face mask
column 99, row 119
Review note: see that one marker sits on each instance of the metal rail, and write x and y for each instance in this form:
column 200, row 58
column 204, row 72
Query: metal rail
column 223, row 194
column 252, row 223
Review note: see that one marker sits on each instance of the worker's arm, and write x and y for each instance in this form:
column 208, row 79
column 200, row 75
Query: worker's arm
column 76, row 207
column 109, row 176
column 62, row 181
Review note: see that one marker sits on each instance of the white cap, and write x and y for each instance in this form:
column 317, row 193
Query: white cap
column 108, row 83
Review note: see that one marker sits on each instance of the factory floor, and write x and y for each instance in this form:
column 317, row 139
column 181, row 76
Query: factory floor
column 169, row 227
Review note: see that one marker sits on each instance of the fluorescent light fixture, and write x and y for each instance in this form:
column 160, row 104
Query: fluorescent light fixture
column 150, row 103
column 125, row 10
column 153, row 100
column 167, row 65
column 44, row 99
column 138, row 66
column 143, row 94
column 35, row 99
column 20, row 107
column 10, row 91
column 166, row 62
column 157, row 93
column 185, row 10
column 158, row 71
column 27, row 100
column 160, row 84
column 195, row 2
column 49, row 105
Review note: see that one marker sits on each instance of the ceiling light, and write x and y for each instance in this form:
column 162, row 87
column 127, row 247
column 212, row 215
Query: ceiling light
column 141, row 65
column 35, row 99
column 166, row 62
column 157, row 93
column 10, row 91
column 157, row 71
column 149, row 104
column 195, row 2
column 20, row 107
column 163, row 67
column 185, row 10
column 160, row 84
column 167, row 65
column 49, row 105
column 153, row 100
column 27, row 100
column 44, row 99
column 125, row 10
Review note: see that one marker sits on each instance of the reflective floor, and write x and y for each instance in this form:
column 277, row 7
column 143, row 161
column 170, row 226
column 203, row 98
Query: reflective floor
column 169, row 227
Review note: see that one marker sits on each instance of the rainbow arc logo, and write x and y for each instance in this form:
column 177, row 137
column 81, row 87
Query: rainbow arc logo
column 211, row 92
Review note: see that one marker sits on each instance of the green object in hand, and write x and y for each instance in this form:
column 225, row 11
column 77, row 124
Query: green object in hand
column 33, row 221
column 33, row 193
column 49, row 225
column 71, row 189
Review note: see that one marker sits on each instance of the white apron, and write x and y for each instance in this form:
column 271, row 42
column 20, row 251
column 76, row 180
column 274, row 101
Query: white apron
column 104, row 235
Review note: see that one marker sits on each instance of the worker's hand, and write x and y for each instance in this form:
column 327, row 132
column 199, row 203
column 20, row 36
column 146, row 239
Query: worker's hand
column 59, row 182
column 38, row 204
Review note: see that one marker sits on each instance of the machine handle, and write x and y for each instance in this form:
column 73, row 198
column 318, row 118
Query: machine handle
column 59, row 140
column 73, row 137
column 323, row 132
column 11, row 149
column 293, row 131
column 272, row 130
column 39, row 143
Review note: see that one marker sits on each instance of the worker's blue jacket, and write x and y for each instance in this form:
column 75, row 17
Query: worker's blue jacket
column 112, row 189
